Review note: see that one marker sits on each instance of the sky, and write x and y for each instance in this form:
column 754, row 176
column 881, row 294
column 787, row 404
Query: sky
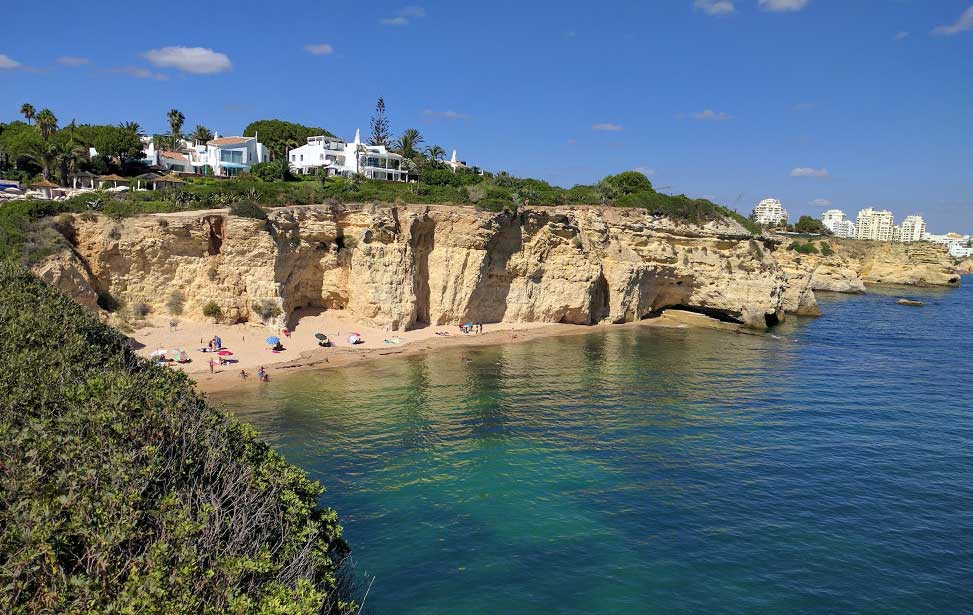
column 820, row 103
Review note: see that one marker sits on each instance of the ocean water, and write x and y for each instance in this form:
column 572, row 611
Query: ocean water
column 825, row 469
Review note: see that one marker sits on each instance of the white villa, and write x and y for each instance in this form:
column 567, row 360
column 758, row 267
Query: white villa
column 455, row 164
column 769, row 212
column 838, row 224
column 222, row 156
column 338, row 157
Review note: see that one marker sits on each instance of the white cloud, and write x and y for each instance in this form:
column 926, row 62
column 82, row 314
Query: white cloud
column 196, row 60
column 72, row 61
column 645, row 171
column 782, row 6
column 6, row 62
column 715, row 7
column 809, row 172
column 901, row 36
column 821, row 203
column 139, row 73
column 319, row 49
column 606, row 127
column 403, row 17
column 963, row 24
column 445, row 115
column 708, row 115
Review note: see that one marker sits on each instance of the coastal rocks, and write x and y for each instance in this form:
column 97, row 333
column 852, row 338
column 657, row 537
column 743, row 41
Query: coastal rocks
column 409, row 266
column 847, row 265
column 964, row 267
column 910, row 302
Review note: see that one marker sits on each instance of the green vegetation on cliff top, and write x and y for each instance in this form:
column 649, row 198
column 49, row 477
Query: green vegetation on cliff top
column 437, row 186
column 122, row 491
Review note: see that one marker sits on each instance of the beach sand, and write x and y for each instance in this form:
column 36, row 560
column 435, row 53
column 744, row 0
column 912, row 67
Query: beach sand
column 250, row 350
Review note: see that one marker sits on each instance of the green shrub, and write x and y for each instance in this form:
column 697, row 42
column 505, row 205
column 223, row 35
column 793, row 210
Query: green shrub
column 176, row 303
column 248, row 209
column 213, row 310
column 826, row 248
column 266, row 309
column 141, row 309
column 123, row 492
column 803, row 248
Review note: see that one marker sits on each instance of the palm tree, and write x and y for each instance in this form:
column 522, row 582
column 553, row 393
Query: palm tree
column 68, row 154
column 27, row 110
column 133, row 127
column 407, row 143
column 201, row 134
column 47, row 123
column 44, row 154
column 435, row 152
column 176, row 119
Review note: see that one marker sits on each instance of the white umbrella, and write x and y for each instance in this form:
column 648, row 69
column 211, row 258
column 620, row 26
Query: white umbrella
column 161, row 352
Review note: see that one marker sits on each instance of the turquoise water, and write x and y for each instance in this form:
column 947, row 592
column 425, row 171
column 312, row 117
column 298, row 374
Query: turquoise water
column 641, row 470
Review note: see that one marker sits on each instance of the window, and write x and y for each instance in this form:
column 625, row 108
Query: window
column 232, row 155
column 302, row 157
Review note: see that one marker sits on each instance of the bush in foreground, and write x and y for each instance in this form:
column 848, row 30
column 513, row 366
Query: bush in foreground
column 121, row 491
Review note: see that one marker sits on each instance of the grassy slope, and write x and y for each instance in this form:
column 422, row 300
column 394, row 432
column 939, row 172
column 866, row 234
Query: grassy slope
column 121, row 490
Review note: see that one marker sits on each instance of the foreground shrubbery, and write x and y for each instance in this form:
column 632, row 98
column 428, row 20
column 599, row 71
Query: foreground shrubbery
column 121, row 491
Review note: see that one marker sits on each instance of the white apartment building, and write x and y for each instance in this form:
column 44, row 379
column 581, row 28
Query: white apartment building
column 455, row 164
column 769, row 212
column 913, row 229
column 875, row 224
column 836, row 222
column 338, row 157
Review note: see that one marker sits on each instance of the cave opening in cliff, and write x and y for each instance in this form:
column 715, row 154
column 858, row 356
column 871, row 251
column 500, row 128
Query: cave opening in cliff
column 720, row 315
column 772, row 320
column 600, row 304
column 215, row 239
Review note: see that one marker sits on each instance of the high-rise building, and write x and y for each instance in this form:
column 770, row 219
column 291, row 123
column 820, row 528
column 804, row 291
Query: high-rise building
column 875, row 224
column 769, row 212
column 913, row 228
column 837, row 223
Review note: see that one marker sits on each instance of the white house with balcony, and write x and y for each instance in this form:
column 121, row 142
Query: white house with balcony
column 228, row 156
column 339, row 157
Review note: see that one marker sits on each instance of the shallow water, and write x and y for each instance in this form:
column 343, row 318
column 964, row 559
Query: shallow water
column 828, row 468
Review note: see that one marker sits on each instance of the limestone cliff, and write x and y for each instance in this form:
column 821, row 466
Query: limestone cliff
column 405, row 266
column 846, row 266
column 964, row 267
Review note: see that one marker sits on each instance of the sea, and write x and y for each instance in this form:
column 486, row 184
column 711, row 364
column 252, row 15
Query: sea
column 824, row 467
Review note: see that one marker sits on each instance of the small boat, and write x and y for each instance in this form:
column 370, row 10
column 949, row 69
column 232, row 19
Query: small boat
column 911, row 302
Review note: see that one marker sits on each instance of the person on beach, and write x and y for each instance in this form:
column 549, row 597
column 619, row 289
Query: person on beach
column 243, row 374
column 212, row 366
column 262, row 375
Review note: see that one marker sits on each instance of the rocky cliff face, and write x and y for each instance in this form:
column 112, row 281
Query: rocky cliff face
column 853, row 264
column 406, row 266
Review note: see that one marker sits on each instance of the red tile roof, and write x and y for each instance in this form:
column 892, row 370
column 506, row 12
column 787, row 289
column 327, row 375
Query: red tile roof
column 174, row 155
column 229, row 140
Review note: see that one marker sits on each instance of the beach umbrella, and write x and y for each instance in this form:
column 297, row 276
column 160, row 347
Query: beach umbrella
column 273, row 340
column 321, row 336
column 354, row 338
column 225, row 353
column 161, row 352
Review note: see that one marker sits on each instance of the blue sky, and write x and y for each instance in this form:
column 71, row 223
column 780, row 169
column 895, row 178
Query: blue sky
column 853, row 102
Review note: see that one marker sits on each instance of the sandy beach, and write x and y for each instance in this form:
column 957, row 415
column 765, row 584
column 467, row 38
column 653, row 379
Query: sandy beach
column 250, row 351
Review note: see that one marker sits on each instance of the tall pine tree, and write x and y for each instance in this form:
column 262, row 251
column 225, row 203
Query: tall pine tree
column 380, row 125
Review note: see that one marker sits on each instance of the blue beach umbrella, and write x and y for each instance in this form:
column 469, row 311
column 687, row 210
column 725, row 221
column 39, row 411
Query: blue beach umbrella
column 273, row 340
